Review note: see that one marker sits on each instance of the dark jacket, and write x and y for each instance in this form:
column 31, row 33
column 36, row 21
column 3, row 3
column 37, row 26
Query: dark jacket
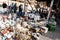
column 15, row 8
column 20, row 9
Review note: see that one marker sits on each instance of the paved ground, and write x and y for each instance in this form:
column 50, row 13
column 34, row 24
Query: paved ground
column 53, row 35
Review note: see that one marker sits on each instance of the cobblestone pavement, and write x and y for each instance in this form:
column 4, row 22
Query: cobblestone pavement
column 53, row 35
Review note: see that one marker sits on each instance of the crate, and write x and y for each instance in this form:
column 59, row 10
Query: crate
column 51, row 27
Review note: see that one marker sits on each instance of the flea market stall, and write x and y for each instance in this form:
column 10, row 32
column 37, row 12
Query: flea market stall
column 27, row 27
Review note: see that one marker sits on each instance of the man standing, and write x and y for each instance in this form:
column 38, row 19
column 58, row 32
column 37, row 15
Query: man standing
column 15, row 8
column 4, row 5
column 20, row 10
column 11, row 7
